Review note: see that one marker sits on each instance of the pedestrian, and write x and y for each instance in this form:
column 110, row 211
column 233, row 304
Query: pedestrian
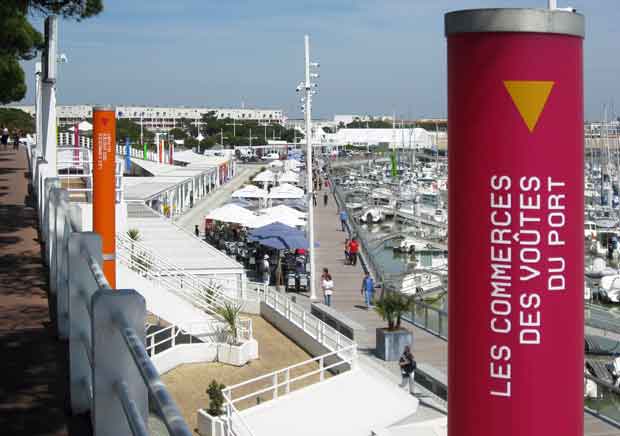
column 16, row 135
column 347, row 253
column 325, row 199
column 196, row 231
column 314, row 198
column 368, row 289
column 408, row 366
column 354, row 247
column 4, row 139
column 343, row 219
column 327, row 284
column 266, row 270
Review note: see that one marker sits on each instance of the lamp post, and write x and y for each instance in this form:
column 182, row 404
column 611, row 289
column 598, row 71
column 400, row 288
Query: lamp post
column 308, row 87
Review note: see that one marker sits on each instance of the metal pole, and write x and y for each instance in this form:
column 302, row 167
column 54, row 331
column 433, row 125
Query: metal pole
column 553, row 4
column 310, row 186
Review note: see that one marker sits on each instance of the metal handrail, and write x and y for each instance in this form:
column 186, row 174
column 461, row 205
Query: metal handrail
column 176, row 278
column 166, row 265
column 164, row 278
column 167, row 408
column 273, row 376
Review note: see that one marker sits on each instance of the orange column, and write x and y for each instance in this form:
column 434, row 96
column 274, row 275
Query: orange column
column 104, row 187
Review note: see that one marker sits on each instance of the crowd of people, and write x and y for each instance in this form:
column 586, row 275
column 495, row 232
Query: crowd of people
column 7, row 139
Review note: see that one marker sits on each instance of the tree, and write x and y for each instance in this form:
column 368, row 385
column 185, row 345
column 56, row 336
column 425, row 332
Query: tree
column 20, row 41
column 127, row 128
column 178, row 133
column 16, row 119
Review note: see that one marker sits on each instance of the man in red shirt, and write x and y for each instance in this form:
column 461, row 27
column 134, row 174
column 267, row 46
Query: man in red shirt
column 353, row 250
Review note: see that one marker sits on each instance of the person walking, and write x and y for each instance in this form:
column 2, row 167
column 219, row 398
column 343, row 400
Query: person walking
column 325, row 198
column 196, row 231
column 354, row 247
column 408, row 366
column 266, row 270
column 4, row 139
column 347, row 253
column 368, row 289
column 16, row 135
column 343, row 219
column 314, row 198
column 327, row 284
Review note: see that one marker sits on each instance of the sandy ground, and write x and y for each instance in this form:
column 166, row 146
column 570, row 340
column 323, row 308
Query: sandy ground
column 188, row 383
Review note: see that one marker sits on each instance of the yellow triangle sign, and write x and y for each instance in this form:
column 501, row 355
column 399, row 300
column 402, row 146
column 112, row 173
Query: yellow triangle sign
column 530, row 97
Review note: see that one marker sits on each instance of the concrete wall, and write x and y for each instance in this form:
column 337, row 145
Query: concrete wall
column 187, row 353
column 300, row 337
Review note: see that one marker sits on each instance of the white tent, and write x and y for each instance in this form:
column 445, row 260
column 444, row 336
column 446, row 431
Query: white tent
column 265, row 176
column 289, row 177
column 250, row 191
column 285, row 215
column 284, row 210
column 292, row 165
column 85, row 126
column 286, row 190
column 276, row 163
column 231, row 213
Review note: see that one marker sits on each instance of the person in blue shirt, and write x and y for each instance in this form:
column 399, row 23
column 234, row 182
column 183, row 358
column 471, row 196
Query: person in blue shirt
column 368, row 289
column 343, row 219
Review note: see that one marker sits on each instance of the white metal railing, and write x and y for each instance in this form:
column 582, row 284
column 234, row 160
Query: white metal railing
column 203, row 331
column 323, row 333
column 143, row 260
column 75, row 167
column 278, row 383
column 111, row 373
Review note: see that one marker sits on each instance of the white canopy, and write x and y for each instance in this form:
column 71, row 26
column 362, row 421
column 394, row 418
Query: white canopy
column 276, row 163
column 286, row 190
column 292, row 164
column 250, row 191
column 85, row 126
column 232, row 213
column 285, row 215
column 265, row 176
column 289, row 177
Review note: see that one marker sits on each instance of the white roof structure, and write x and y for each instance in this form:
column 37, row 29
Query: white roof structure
column 196, row 160
column 402, row 138
column 250, row 191
column 265, row 176
column 289, row 177
column 286, row 190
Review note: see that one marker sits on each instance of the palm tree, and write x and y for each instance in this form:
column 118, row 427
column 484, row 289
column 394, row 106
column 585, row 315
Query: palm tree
column 230, row 313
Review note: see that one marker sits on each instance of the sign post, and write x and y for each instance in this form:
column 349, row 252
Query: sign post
column 104, row 186
column 516, row 252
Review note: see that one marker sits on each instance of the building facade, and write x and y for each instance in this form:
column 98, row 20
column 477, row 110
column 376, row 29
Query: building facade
column 162, row 118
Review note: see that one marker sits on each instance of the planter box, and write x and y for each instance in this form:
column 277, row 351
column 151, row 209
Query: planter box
column 390, row 344
column 237, row 355
column 210, row 425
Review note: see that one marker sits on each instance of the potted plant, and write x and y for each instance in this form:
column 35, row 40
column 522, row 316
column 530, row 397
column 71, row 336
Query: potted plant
column 232, row 349
column 209, row 421
column 392, row 340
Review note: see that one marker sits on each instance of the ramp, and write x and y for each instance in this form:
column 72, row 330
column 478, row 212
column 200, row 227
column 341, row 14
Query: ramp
column 351, row 404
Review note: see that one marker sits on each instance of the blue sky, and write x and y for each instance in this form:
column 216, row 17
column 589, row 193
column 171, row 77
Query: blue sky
column 377, row 56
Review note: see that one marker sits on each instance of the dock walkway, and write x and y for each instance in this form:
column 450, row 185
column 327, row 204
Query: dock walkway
column 34, row 396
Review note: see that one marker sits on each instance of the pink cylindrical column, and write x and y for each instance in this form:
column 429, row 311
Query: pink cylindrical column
column 516, row 251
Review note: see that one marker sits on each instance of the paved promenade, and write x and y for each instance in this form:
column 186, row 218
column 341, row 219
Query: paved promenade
column 215, row 199
column 428, row 349
column 33, row 368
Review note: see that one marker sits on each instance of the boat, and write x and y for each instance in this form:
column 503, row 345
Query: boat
column 371, row 215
